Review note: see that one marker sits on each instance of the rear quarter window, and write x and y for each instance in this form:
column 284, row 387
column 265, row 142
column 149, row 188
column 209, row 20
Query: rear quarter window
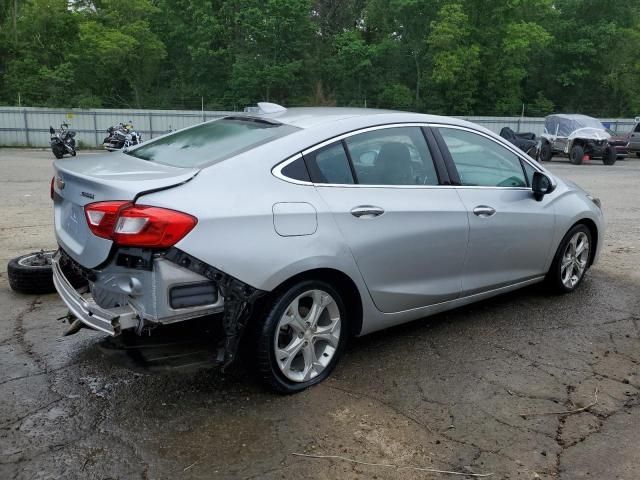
column 211, row 142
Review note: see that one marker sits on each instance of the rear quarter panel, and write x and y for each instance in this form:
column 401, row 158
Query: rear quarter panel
column 233, row 202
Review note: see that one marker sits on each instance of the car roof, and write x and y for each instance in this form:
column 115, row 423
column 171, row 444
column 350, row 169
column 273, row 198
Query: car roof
column 571, row 116
column 312, row 117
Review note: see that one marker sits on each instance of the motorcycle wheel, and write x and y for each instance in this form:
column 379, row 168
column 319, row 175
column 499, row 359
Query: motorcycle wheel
column 57, row 152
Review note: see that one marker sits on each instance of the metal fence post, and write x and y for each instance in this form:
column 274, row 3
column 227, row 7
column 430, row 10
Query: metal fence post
column 95, row 128
column 150, row 125
column 26, row 128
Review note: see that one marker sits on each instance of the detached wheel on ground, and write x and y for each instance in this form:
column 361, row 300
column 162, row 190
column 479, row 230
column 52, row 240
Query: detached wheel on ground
column 576, row 155
column 302, row 337
column 571, row 261
column 32, row 273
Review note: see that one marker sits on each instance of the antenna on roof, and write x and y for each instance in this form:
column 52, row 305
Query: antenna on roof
column 266, row 107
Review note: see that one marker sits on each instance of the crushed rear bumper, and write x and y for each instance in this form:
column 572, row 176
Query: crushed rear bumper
column 83, row 307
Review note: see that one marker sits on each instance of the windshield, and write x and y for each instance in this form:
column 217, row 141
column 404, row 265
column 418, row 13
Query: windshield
column 210, row 142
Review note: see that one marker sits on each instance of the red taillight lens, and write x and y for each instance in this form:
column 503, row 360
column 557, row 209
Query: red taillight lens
column 138, row 225
column 102, row 217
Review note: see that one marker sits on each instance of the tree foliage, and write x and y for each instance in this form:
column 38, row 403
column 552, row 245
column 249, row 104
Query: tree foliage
column 441, row 56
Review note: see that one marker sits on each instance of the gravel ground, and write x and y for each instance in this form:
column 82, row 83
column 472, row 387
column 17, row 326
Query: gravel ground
column 444, row 393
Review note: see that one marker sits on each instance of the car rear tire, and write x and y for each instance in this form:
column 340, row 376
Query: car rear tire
column 302, row 337
column 609, row 156
column 576, row 155
column 571, row 261
column 545, row 152
column 32, row 273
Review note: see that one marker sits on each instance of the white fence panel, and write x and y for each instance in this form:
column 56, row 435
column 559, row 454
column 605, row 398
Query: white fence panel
column 30, row 126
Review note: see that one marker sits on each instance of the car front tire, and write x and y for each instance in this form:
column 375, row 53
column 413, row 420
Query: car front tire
column 571, row 261
column 576, row 155
column 302, row 336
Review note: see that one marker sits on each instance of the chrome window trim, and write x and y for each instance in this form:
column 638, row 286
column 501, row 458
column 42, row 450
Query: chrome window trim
column 277, row 169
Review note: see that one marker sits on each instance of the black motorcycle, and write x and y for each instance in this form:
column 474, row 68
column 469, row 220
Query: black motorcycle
column 121, row 136
column 63, row 142
column 526, row 142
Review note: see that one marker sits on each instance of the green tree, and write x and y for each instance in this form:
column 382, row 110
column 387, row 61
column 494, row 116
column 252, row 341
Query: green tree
column 270, row 41
column 455, row 61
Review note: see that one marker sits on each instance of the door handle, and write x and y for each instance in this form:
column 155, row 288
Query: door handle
column 367, row 211
column 484, row 211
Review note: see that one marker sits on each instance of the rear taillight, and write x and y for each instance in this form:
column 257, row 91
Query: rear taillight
column 102, row 217
column 138, row 225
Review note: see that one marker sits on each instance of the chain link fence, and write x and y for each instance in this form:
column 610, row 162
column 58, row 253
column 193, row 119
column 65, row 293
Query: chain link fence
column 29, row 127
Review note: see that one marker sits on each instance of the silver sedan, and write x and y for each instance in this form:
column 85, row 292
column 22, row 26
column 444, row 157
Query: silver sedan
column 307, row 226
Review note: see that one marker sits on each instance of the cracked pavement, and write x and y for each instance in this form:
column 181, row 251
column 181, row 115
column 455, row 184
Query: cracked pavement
column 478, row 389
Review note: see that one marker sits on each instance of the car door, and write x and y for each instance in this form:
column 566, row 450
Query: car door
column 510, row 232
column 408, row 233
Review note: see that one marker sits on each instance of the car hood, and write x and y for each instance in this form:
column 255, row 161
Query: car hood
column 590, row 134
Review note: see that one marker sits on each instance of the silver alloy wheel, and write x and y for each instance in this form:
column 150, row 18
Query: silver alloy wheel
column 307, row 335
column 575, row 259
column 40, row 259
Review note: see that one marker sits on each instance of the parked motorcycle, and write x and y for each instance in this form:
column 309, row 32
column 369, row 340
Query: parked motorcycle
column 526, row 142
column 63, row 142
column 121, row 136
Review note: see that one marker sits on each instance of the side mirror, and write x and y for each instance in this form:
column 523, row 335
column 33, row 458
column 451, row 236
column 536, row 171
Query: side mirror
column 52, row 131
column 541, row 185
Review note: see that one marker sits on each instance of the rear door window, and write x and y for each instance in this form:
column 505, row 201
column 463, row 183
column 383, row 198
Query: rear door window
column 210, row 142
column 392, row 156
column 330, row 164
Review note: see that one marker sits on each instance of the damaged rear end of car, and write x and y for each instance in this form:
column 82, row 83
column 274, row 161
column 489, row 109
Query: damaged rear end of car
column 136, row 277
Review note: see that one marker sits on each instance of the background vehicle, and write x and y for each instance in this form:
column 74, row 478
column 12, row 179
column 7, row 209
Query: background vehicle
column 634, row 139
column 620, row 142
column 576, row 136
column 121, row 136
column 525, row 141
column 364, row 219
column 63, row 142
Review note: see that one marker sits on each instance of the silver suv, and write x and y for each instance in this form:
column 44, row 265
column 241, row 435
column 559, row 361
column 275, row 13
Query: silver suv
column 634, row 138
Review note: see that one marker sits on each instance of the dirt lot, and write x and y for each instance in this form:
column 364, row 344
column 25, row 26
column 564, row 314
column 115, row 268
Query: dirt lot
column 443, row 393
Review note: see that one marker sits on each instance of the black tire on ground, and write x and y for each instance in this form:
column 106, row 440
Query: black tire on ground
column 268, row 369
column 576, row 154
column 637, row 154
column 554, row 275
column 31, row 273
column 57, row 152
column 609, row 156
column 545, row 152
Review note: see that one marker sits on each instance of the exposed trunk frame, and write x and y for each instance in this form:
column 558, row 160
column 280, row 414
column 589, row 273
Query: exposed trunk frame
column 239, row 299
